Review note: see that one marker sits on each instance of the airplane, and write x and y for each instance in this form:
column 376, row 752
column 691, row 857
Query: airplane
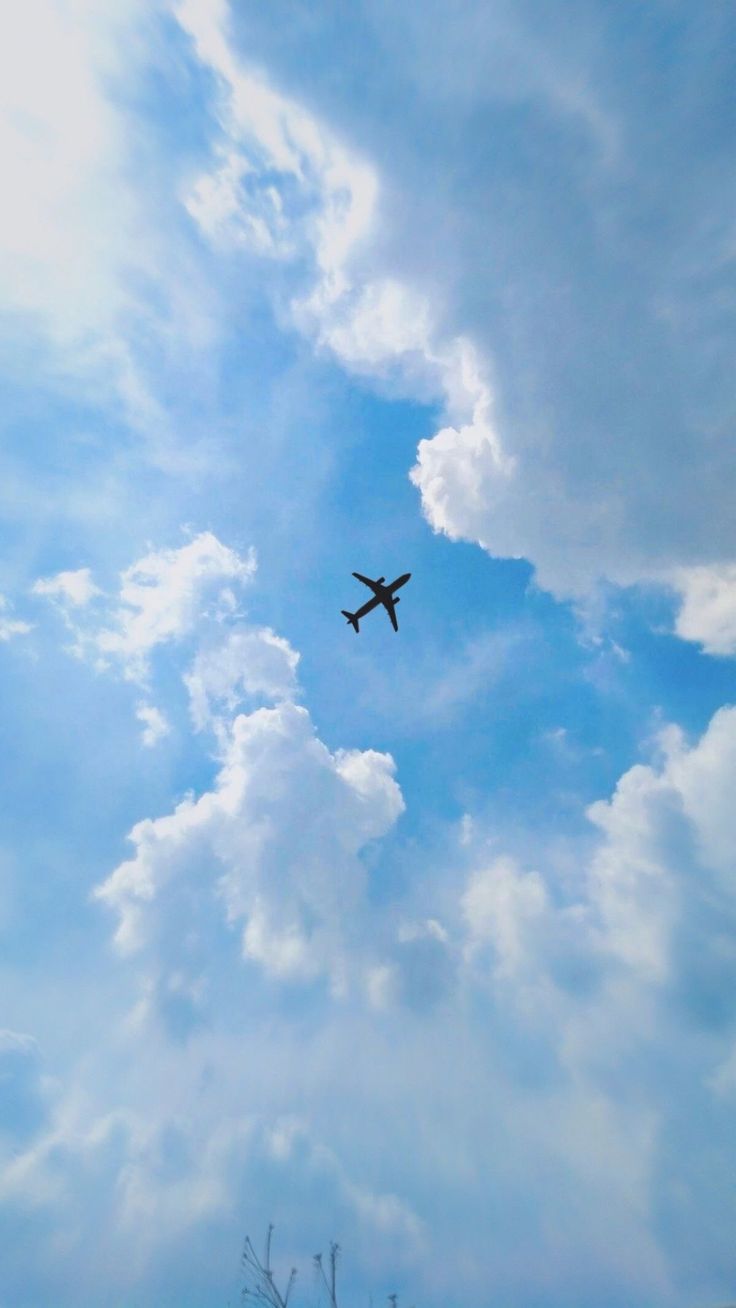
column 382, row 594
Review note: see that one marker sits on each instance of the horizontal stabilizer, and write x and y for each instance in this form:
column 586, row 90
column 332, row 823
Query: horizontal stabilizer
column 351, row 618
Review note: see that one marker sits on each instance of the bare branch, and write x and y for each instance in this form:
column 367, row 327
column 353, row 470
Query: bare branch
column 261, row 1291
column 261, row 1288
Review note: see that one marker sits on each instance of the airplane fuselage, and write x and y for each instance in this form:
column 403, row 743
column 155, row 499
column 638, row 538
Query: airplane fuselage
column 386, row 592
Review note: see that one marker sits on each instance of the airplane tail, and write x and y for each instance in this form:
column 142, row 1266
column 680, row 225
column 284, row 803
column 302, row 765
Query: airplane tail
column 351, row 618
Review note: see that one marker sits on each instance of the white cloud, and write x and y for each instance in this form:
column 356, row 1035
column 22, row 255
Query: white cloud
column 190, row 593
column 273, row 148
column 65, row 224
column 453, row 303
column 248, row 661
column 11, row 627
column 95, row 280
column 155, row 724
column 170, row 596
column 487, row 1067
column 76, row 587
column 165, row 594
column 650, row 901
column 274, row 846
column 708, row 610
column 324, row 202
column 656, row 901
column 510, row 908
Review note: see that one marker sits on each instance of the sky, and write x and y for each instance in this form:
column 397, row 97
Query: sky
column 421, row 942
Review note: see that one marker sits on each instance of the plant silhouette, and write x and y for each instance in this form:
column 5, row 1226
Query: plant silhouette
column 261, row 1290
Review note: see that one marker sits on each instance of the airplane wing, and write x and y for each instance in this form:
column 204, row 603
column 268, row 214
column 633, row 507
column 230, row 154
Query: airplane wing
column 391, row 610
column 366, row 581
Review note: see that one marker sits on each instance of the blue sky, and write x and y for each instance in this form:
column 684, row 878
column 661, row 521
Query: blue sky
column 422, row 942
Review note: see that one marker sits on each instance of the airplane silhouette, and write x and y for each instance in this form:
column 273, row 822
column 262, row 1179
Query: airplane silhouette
column 381, row 595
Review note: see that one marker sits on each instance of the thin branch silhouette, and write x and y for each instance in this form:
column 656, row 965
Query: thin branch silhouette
column 260, row 1287
column 261, row 1290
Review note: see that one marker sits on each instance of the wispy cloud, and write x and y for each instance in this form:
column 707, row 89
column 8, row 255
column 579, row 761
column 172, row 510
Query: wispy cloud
column 11, row 627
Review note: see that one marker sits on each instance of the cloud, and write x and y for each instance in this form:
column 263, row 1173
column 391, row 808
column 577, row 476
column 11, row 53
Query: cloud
column 510, row 908
column 655, row 900
column 708, row 610
column 661, row 879
column 76, row 588
column 531, row 1044
column 99, row 288
column 418, row 971
column 65, row 226
column 287, row 186
column 610, row 993
column 155, row 724
column 289, row 1141
column 11, row 627
column 165, row 597
column 555, row 1053
column 550, row 448
column 274, row 848
column 283, row 186
column 170, row 596
column 146, row 1188
column 165, row 594
column 248, row 661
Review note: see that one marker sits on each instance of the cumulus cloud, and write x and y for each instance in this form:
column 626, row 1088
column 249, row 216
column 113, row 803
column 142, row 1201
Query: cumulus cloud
column 506, row 1019
column 508, row 907
column 555, row 1046
column 541, row 997
column 164, row 594
column 623, row 978
column 174, row 595
column 190, row 593
column 656, row 899
column 248, row 661
column 569, row 985
column 551, row 447
column 286, row 184
column 187, row 595
column 273, row 849
column 708, row 609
